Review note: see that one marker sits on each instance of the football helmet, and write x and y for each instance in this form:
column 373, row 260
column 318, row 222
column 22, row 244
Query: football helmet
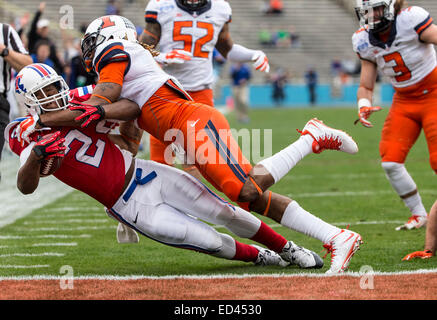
column 193, row 5
column 377, row 14
column 103, row 29
column 33, row 79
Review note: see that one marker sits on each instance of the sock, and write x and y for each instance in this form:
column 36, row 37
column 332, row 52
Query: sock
column 282, row 162
column 272, row 240
column 414, row 203
column 403, row 184
column 245, row 252
column 304, row 222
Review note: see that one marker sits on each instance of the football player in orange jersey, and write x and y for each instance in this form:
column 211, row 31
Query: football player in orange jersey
column 400, row 43
column 127, row 70
column 187, row 32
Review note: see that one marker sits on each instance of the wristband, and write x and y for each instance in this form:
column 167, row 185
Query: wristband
column 364, row 103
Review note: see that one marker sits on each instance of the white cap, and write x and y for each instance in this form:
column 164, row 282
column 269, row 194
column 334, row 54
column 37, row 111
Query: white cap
column 42, row 23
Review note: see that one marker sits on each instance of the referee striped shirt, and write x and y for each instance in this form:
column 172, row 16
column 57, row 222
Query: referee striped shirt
column 10, row 38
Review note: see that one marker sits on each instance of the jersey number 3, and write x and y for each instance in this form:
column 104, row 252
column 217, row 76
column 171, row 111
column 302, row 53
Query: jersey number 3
column 400, row 67
column 188, row 38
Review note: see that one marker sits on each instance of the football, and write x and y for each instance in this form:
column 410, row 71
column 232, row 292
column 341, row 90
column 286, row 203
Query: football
column 49, row 166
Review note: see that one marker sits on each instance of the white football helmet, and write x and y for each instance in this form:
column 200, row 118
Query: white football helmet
column 103, row 29
column 33, row 79
column 377, row 14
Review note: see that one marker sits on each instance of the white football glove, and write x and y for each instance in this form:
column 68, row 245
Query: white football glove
column 174, row 56
column 27, row 127
column 260, row 61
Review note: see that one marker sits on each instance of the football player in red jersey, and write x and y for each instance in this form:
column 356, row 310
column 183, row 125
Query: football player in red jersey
column 156, row 200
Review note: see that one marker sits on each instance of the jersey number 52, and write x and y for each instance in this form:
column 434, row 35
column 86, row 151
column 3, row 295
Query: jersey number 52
column 188, row 38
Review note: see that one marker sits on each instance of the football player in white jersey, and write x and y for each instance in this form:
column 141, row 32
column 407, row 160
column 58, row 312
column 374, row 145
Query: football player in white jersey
column 187, row 32
column 399, row 42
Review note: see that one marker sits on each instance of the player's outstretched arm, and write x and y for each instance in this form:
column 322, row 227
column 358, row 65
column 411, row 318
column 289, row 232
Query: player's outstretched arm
column 365, row 93
column 238, row 53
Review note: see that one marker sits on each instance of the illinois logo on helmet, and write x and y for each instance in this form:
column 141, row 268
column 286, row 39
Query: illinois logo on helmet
column 103, row 29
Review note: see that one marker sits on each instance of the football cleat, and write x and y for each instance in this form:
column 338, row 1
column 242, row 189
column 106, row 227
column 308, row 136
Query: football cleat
column 304, row 258
column 327, row 138
column 268, row 257
column 126, row 234
column 342, row 247
column 414, row 222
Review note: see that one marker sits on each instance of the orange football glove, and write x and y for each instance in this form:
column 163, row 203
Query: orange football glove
column 364, row 114
column 425, row 254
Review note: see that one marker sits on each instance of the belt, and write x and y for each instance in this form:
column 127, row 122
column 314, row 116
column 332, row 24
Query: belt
column 138, row 181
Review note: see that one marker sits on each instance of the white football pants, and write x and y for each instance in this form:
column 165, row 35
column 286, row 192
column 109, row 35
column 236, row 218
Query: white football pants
column 165, row 209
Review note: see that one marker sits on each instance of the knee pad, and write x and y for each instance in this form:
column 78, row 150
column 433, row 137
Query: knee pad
column 391, row 168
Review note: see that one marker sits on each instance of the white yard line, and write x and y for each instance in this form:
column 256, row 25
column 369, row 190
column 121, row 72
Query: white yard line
column 72, row 209
column 220, row 276
column 64, row 229
column 352, row 193
column 45, row 236
column 55, row 244
column 67, row 221
column 9, row 266
column 44, row 254
column 70, row 215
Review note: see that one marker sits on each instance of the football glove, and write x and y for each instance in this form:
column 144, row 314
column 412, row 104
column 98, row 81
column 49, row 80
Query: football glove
column 260, row 61
column 89, row 113
column 364, row 113
column 425, row 254
column 175, row 56
column 50, row 146
column 27, row 127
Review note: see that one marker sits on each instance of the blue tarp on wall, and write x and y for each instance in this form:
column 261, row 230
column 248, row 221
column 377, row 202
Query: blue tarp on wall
column 260, row 96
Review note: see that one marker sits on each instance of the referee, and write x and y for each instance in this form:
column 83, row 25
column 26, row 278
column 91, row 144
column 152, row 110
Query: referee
column 12, row 54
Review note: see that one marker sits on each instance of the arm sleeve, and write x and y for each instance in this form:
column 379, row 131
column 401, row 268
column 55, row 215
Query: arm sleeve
column 151, row 12
column 15, row 42
column 114, row 72
column 114, row 52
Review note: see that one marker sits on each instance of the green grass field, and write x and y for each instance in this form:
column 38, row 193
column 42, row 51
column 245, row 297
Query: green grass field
column 337, row 187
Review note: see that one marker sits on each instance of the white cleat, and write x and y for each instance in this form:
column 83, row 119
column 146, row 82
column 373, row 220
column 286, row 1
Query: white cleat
column 414, row 222
column 126, row 234
column 304, row 258
column 268, row 257
column 342, row 247
column 327, row 138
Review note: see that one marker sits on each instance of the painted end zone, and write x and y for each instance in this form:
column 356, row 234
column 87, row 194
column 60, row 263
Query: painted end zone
column 385, row 287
